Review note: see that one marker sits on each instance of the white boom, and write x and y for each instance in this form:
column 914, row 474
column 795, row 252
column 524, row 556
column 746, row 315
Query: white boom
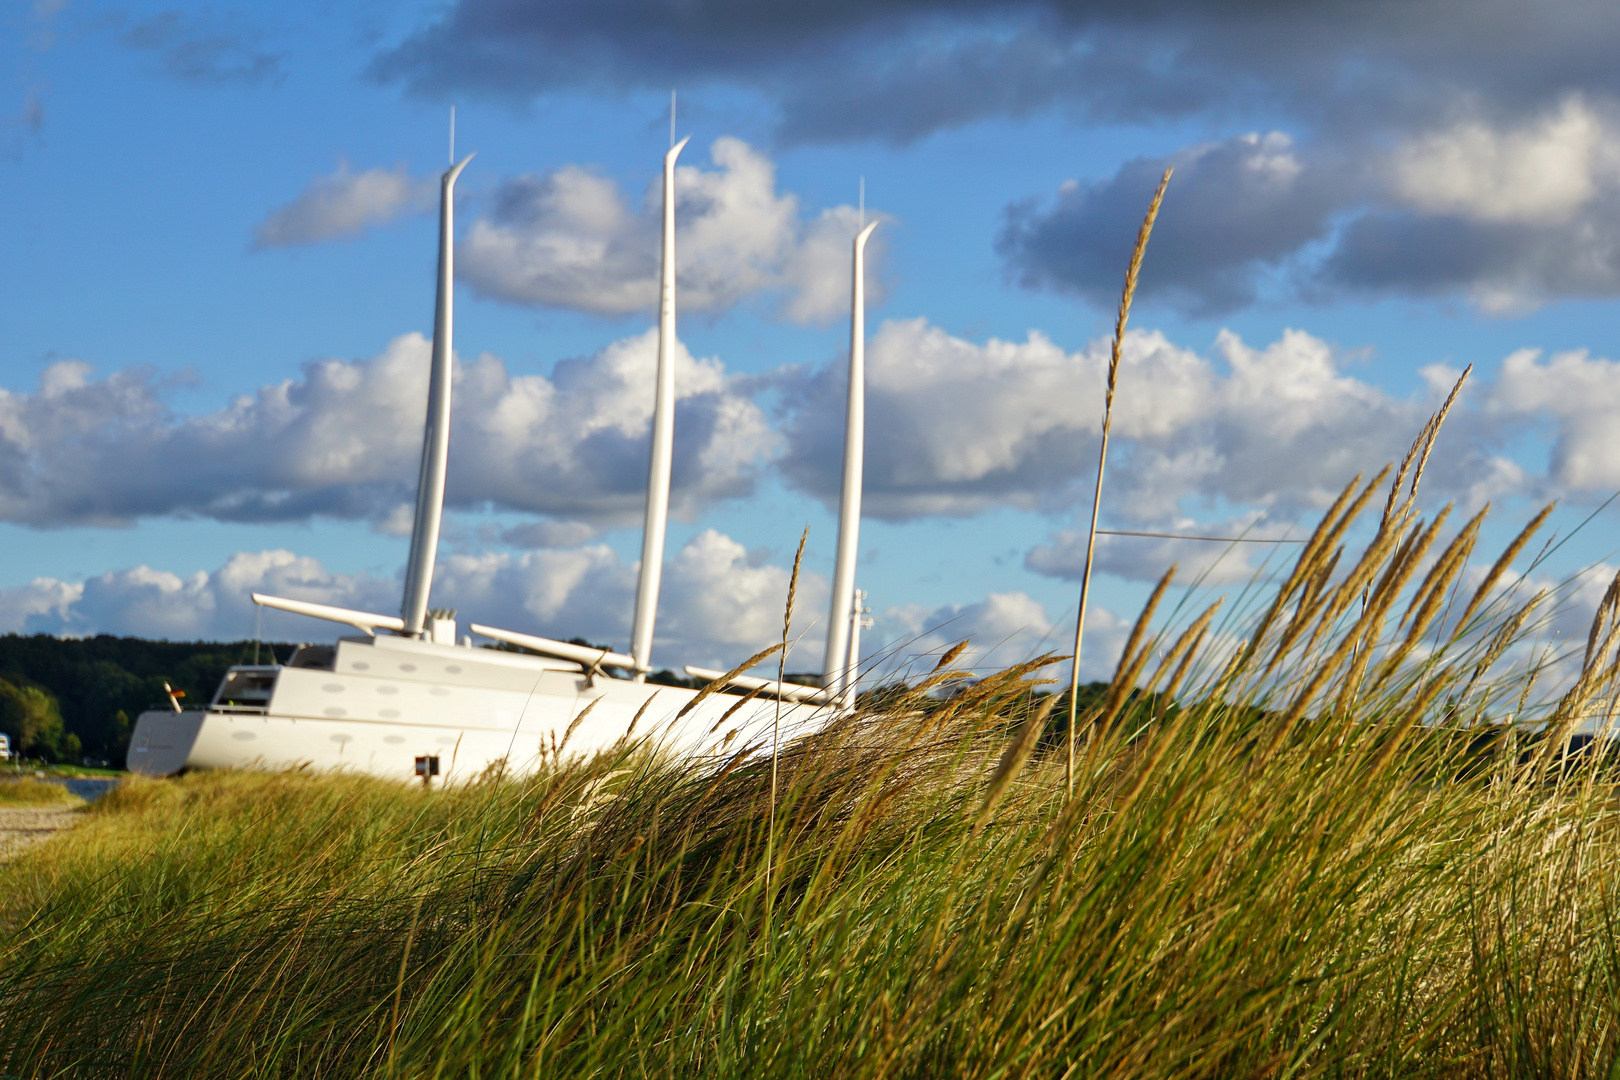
column 562, row 650
column 360, row 620
column 436, row 435
column 663, row 441
column 789, row 691
column 837, row 665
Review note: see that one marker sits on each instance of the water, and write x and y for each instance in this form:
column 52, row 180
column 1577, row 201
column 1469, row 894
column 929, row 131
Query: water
column 87, row 788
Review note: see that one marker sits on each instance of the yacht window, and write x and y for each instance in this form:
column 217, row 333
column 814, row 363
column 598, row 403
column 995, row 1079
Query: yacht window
column 246, row 690
column 319, row 657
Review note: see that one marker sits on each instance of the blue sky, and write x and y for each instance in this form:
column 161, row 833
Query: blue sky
column 221, row 244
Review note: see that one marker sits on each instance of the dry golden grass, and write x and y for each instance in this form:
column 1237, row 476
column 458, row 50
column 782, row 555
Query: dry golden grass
column 1301, row 862
column 30, row 791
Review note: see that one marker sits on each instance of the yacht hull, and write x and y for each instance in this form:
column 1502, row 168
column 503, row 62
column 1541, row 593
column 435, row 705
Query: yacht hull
column 389, row 706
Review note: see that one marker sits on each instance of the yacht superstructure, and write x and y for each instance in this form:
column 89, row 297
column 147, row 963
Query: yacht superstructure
column 406, row 697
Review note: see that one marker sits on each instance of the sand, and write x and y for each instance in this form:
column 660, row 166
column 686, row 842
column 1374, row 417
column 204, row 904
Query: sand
column 22, row 826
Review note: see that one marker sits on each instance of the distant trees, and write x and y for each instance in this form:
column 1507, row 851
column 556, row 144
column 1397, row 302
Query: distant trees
column 61, row 698
column 32, row 719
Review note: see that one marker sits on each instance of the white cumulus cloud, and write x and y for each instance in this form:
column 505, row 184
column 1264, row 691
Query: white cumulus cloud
column 1571, row 396
column 569, row 239
column 1541, row 172
column 718, row 604
column 344, row 203
column 1063, row 554
column 345, row 437
column 1003, row 629
column 957, row 427
column 201, row 605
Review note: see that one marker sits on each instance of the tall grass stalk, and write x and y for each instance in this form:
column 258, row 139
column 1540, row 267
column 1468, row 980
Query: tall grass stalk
column 776, row 721
column 1299, row 845
column 1126, row 296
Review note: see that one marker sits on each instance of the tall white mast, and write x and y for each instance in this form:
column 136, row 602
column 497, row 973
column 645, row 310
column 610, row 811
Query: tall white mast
column 663, row 439
column 436, row 437
column 836, row 664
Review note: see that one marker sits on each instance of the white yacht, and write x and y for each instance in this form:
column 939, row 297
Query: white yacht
column 405, row 697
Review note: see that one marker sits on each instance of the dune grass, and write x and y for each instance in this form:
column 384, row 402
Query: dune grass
column 1297, row 856
column 31, row 791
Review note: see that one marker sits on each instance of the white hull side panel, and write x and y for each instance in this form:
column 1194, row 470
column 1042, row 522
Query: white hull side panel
column 470, row 731
column 163, row 740
column 383, row 707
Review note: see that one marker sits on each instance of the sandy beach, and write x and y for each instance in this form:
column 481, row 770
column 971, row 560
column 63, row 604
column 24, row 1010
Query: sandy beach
column 22, row 826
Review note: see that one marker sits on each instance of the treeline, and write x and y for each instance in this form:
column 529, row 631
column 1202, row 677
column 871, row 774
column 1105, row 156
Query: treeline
column 71, row 699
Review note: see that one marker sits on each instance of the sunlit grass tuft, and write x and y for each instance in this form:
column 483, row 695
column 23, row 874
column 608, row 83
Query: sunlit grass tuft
column 1304, row 841
column 30, row 791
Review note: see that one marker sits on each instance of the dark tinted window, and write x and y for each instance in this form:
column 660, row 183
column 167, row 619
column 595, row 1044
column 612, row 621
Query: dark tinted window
column 320, row 657
column 246, row 689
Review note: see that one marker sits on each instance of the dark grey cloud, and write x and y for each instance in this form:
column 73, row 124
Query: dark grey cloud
column 894, row 71
column 1505, row 266
column 205, row 48
column 1236, row 210
column 1378, row 93
column 1508, row 215
column 544, row 534
column 898, row 69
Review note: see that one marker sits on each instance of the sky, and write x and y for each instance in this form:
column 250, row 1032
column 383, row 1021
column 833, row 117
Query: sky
column 216, row 296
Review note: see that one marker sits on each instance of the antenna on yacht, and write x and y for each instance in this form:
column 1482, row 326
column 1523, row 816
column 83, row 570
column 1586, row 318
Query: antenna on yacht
column 436, row 436
column 859, row 619
column 663, row 433
column 837, row 666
